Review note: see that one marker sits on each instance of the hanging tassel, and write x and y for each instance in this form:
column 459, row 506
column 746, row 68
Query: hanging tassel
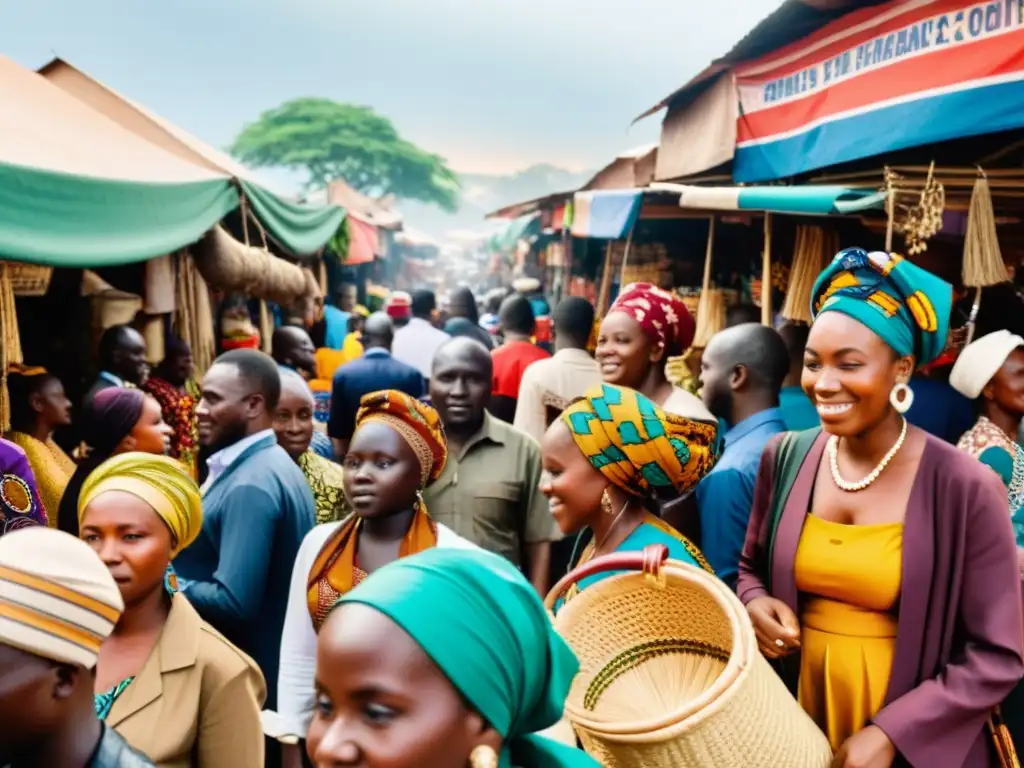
column 711, row 306
column 814, row 248
column 983, row 261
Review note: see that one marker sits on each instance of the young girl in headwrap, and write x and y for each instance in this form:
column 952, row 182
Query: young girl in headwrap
column 398, row 448
column 166, row 680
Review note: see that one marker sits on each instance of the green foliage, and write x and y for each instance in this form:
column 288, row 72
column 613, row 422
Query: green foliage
column 328, row 140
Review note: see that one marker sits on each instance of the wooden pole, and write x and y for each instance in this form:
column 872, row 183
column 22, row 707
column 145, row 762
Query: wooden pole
column 625, row 257
column 766, row 273
column 606, row 282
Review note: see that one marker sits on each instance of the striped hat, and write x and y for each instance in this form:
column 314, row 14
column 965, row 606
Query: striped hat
column 57, row 598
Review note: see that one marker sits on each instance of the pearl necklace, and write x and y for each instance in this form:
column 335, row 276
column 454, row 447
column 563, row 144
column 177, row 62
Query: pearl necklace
column 844, row 485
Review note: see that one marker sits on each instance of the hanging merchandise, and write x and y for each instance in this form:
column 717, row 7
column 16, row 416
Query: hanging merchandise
column 812, row 251
column 983, row 261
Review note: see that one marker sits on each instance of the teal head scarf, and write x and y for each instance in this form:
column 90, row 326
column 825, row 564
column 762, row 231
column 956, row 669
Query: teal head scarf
column 483, row 624
column 905, row 305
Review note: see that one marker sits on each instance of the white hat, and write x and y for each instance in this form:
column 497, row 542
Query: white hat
column 57, row 598
column 980, row 360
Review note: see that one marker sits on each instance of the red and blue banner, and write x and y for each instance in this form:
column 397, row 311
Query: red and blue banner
column 903, row 74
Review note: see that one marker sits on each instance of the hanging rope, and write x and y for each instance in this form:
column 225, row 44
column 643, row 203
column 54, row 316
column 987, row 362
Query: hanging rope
column 983, row 260
column 711, row 305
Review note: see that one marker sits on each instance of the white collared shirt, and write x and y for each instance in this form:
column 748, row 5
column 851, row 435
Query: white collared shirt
column 416, row 344
column 565, row 376
column 225, row 457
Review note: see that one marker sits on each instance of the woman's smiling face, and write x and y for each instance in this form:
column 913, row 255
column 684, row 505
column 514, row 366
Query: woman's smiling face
column 849, row 373
column 624, row 352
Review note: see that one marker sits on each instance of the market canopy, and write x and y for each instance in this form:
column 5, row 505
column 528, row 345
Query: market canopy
column 809, row 200
column 299, row 228
column 77, row 189
column 607, row 214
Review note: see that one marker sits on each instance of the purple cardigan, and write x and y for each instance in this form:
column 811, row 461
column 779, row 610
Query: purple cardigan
column 961, row 627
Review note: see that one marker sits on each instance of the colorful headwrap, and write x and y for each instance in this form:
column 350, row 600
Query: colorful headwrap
column 636, row 445
column 476, row 616
column 662, row 315
column 160, row 481
column 418, row 423
column 905, row 305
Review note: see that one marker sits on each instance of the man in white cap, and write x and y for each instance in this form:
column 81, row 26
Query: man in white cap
column 58, row 603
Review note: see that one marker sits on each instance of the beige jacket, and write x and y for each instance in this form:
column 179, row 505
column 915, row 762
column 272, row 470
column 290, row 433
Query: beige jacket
column 196, row 703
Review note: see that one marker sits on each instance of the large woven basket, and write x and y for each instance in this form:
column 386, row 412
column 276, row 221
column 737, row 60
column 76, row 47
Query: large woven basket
column 670, row 673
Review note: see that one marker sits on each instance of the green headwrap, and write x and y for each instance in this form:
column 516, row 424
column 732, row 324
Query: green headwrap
column 905, row 305
column 483, row 624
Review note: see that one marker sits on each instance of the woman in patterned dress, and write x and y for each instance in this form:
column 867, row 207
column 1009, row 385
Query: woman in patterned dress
column 990, row 371
column 173, row 386
column 398, row 449
column 609, row 458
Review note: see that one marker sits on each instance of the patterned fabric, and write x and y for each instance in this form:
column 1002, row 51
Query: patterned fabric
column 326, row 480
column 662, row 316
column 160, row 481
column 636, row 445
column 336, row 569
column 415, row 421
column 993, row 447
column 105, row 701
column 20, row 505
column 902, row 303
column 51, row 466
column 179, row 410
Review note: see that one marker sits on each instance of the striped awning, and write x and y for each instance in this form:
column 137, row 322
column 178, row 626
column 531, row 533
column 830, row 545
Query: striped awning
column 808, row 200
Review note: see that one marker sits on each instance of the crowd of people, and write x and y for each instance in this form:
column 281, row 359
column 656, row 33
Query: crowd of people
column 337, row 554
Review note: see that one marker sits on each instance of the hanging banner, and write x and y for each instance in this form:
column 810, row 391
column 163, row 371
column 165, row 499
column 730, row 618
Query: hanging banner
column 903, row 74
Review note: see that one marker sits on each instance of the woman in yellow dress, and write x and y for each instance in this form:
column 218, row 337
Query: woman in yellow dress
column 38, row 407
column 880, row 563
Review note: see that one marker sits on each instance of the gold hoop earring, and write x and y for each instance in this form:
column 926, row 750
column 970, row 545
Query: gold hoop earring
column 483, row 757
column 606, row 503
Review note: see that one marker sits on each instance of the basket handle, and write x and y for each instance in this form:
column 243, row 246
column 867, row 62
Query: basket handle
column 648, row 561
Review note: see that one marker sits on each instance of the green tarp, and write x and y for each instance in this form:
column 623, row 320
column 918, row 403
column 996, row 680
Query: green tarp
column 73, row 221
column 298, row 227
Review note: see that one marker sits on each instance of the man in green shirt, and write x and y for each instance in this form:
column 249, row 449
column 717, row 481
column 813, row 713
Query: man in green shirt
column 488, row 492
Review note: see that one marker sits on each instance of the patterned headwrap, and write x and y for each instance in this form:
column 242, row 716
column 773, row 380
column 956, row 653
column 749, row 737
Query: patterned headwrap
column 57, row 598
column 418, row 423
column 636, row 445
column 160, row 481
column 905, row 305
column 662, row 316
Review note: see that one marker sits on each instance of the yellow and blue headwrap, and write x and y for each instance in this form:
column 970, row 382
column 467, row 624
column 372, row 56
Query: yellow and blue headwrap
column 160, row 481
column 636, row 445
column 905, row 305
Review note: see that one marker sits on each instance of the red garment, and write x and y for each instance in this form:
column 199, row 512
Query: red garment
column 510, row 360
column 662, row 316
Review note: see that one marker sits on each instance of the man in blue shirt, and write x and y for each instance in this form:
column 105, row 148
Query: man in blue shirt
column 374, row 371
column 741, row 374
column 257, row 508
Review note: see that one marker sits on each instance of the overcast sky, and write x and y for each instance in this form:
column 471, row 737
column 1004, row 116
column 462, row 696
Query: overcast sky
column 493, row 85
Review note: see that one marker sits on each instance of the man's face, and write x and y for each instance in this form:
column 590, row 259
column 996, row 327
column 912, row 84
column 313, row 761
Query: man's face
column 130, row 357
column 460, row 387
column 32, row 692
column 715, row 375
column 226, row 407
column 303, row 356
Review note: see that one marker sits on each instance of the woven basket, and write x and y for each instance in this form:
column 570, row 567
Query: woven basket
column 29, row 279
column 670, row 673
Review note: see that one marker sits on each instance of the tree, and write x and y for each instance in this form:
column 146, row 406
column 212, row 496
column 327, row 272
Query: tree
column 328, row 140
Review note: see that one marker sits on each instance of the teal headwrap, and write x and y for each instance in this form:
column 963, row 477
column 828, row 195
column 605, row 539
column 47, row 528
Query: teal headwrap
column 483, row 624
column 904, row 304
